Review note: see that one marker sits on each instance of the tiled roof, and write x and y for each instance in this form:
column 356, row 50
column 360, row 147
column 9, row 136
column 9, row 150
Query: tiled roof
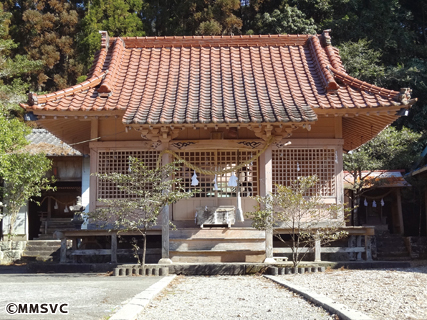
column 230, row 79
column 42, row 140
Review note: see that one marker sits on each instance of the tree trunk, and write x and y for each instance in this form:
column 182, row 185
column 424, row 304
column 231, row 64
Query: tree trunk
column 356, row 208
column 144, row 250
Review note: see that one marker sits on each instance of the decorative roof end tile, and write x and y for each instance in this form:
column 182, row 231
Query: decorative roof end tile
column 32, row 99
column 105, row 39
column 326, row 37
column 404, row 97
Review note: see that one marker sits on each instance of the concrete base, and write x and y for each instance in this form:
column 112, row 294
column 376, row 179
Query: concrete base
column 212, row 268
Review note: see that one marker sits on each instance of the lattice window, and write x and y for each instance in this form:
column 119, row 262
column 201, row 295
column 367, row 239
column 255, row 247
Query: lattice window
column 248, row 176
column 216, row 160
column 118, row 161
column 291, row 163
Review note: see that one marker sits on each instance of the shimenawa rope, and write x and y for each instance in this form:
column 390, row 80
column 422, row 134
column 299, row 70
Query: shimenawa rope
column 213, row 172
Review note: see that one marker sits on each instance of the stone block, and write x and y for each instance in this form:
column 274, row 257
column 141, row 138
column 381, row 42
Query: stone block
column 273, row 271
column 5, row 245
column 18, row 245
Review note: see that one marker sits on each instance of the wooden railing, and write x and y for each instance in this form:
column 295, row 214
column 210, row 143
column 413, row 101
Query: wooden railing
column 354, row 249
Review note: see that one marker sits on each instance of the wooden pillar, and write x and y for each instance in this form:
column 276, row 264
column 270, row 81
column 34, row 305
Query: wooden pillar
column 425, row 201
column 351, row 244
column 399, row 211
column 114, row 248
column 166, row 158
column 317, row 250
column 368, row 248
column 74, row 247
column 63, row 253
column 359, row 244
column 49, row 214
column 268, row 188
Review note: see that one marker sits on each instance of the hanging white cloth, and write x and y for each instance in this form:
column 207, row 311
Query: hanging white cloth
column 239, row 210
column 56, row 205
column 232, row 182
column 298, row 168
column 382, row 203
column 215, row 184
column 365, row 203
column 374, row 204
column 194, row 181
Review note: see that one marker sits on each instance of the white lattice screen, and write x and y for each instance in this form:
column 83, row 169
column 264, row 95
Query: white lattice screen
column 291, row 163
column 217, row 160
column 118, row 161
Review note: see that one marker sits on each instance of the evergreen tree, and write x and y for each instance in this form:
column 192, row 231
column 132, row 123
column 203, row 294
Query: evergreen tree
column 46, row 31
column 120, row 18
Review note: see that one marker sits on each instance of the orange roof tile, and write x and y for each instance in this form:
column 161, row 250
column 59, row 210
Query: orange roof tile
column 218, row 79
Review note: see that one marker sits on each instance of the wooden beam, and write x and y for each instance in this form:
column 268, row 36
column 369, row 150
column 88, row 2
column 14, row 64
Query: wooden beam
column 338, row 128
column 94, row 128
column 102, row 252
column 322, row 250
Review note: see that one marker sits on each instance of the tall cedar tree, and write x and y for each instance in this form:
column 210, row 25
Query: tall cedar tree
column 46, row 30
column 120, row 18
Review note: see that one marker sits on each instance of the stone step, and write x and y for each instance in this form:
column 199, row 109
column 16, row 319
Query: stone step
column 43, row 243
column 39, row 252
column 195, row 245
column 25, row 258
column 206, row 256
column 216, row 233
column 46, row 237
column 394, row 248
column 221, row 245
column 402, row 258
column 390, row 243
column 392, row 254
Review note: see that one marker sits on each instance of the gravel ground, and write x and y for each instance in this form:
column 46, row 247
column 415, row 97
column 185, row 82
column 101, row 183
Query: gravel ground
column 230, row 297
column 89, row 296
column 381, row 294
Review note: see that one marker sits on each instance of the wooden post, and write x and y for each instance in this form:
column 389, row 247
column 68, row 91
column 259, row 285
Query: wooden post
column 166, row 158
column 49, row 214
column 114, row 248
column 63, row 253
column 425, row 201
column 351, row 244
column 93, row 180
column 268, row 171
column 368, row 248
column 399, row 211
column 74, row 247
column 359, row 244
column 317, row 250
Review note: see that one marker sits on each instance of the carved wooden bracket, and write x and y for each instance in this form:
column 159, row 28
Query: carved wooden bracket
column 265, row 131
column 162, row 134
